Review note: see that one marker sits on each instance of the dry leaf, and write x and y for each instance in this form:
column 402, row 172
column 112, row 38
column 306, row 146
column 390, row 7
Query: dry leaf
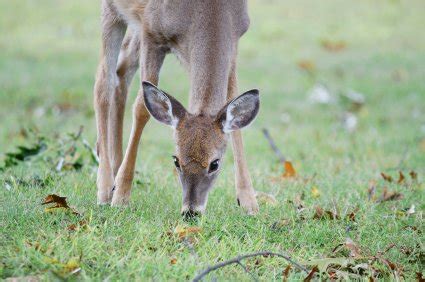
column 315, row 192
column 266, row 198
column 312, row 273
column 386, row 177
column 420, row 277
column 73, row 227
column 183, row 231
column 173, row 261
column 60, row 203
column 285, row 273
column 400, row 178
column 307, row 65
column 289, row 170
column 333, row 46
column 321, row 214
column 413, row 175
column 389, row 196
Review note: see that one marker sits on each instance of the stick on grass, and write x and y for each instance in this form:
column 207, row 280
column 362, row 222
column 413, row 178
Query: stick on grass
column 238, row 259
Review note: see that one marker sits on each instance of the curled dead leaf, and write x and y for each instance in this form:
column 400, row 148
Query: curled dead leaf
column 312, row 273
column 400, row 178
column 59, row 203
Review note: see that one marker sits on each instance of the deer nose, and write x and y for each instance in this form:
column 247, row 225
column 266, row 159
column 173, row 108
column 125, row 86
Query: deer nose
column 190, row 214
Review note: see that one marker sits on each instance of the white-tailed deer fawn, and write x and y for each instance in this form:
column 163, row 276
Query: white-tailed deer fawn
column 204, row 35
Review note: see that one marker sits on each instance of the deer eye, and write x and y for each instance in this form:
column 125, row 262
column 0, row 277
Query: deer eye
column 176, row 162
column 213, row 165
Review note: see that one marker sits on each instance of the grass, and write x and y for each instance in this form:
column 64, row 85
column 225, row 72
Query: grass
column 47, row 65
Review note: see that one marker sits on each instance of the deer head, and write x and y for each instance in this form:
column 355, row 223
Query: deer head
column 200, row 140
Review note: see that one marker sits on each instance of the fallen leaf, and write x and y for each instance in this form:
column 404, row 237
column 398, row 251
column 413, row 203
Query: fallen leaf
column 315, row 192
column 413, row 175
column 173, row 261
column 266, row 198
column 389, row 196
column 321, row 214
column 312, row 273
column 400, row 178
column 60, row 203
column 285, row 273
column 73, row 227
column 289, row 170
column 324, row 263
column 333, row 45
column 306, row 65
column 183, row 231
column 386, row 177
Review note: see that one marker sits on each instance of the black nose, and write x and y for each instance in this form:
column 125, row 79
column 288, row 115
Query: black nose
column 190, row 214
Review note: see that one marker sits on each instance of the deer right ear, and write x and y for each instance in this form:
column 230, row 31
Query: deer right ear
column 163, row 107
column 239, row 112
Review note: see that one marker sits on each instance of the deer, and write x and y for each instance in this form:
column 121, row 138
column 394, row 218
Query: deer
column 204, row 36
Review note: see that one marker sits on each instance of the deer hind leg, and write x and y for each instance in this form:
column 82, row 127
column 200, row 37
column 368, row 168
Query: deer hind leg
column 106, row 81
column 245, row 193
column 128, row 63
column 151, row 59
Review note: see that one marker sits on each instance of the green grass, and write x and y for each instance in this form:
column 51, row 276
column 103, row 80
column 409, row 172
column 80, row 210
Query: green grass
column 48, row 60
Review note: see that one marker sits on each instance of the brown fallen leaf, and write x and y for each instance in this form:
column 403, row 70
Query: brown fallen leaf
column 413, row 175
column 386, row 177
column 182, row 231
column 73, row 227
column 321, row 214
column 307, row 65
column 60, row 202
column 173, row 261
column 333, row 46
column 420, row 277
column 312, row 273
column 389, row 196
column 289, row 170
column 285, row 273
column 400, row 178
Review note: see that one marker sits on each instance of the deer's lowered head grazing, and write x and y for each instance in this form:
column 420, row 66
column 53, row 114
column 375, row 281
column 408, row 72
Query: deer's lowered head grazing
column 200, row 139
column 204, row 36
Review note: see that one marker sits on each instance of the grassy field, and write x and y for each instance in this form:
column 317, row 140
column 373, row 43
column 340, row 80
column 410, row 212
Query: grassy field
column 48, row 57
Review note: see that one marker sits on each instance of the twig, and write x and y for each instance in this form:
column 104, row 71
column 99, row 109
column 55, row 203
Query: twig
column 238, row 261
column 275, row 149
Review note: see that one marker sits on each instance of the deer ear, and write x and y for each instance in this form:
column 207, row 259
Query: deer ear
column 239, row 112
column 163, row 107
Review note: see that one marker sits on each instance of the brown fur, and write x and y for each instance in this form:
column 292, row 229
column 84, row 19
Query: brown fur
column 204, row 36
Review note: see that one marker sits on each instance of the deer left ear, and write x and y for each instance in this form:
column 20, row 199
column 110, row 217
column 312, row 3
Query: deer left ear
column 239, row 112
